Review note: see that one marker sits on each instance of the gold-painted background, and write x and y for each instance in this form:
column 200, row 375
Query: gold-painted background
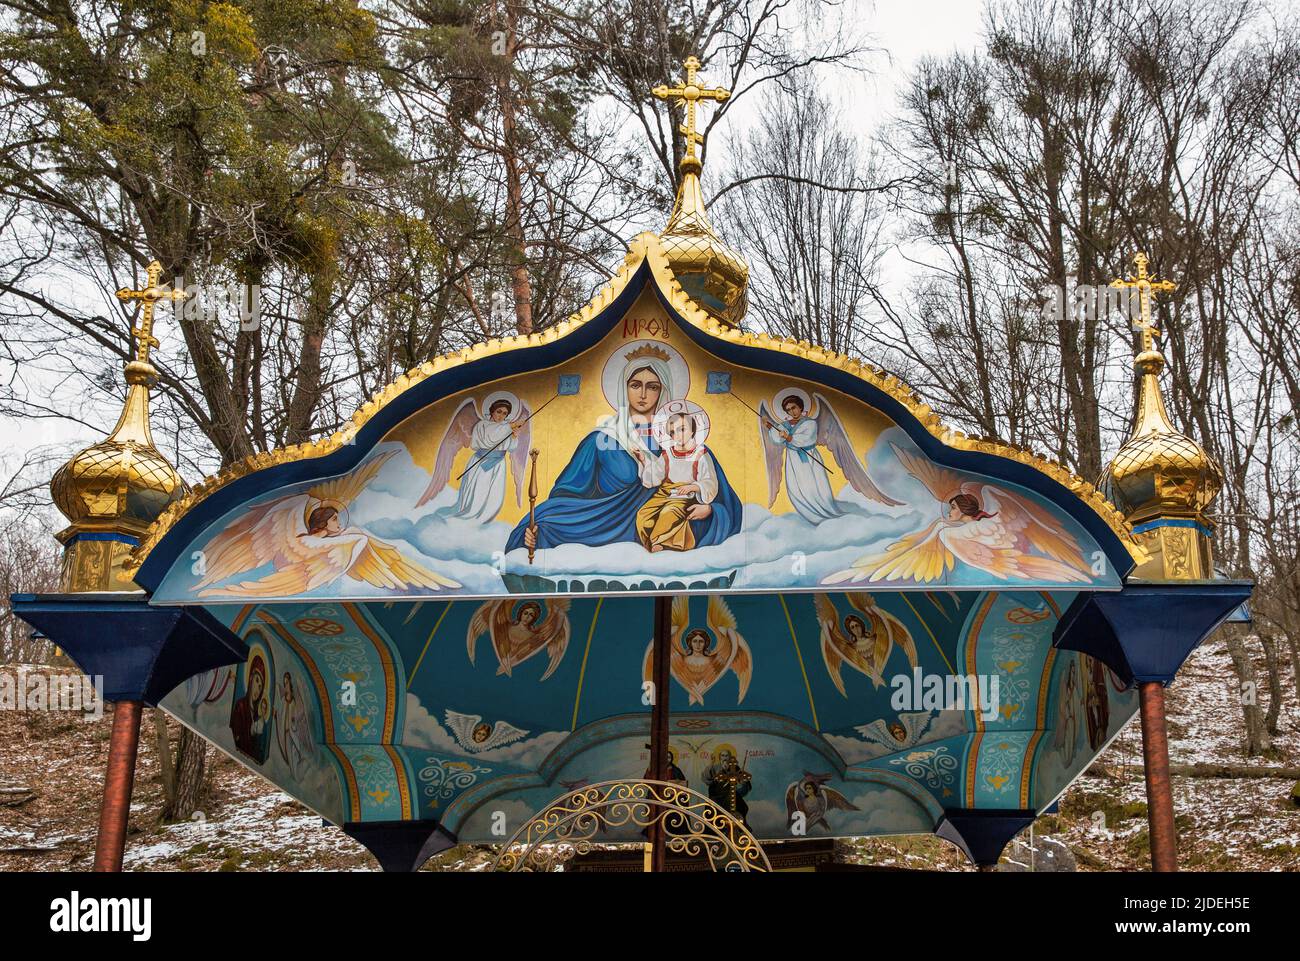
column 733, row 436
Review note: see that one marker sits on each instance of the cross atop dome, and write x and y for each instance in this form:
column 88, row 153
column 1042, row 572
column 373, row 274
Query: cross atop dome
column 713, row 275
column 688, row 95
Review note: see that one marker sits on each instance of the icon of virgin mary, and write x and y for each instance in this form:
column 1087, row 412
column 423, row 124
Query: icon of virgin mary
column 596, row 497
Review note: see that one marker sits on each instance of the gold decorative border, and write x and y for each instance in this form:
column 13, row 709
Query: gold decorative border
column 645, row 247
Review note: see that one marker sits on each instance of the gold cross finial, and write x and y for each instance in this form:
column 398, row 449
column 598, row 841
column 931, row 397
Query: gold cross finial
column 150, row 295
column 1145, row 287
column 688, row 95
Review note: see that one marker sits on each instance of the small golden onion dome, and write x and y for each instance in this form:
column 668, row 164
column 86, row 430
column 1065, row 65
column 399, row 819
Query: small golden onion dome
column 1159, row 471
column 711, row 273
column 123, row 482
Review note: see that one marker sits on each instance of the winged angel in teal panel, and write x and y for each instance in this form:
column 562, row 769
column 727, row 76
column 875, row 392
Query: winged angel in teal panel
column 983, row 526
column 701, row 657
column 866, row 640
column 519, row 630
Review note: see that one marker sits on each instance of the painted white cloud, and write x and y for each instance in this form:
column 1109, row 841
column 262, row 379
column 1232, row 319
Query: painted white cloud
column 423, row 730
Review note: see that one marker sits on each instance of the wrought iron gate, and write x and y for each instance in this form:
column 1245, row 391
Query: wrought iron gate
column 694, row 825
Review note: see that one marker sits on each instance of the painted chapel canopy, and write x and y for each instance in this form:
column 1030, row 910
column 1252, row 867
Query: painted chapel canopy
column 448, row 603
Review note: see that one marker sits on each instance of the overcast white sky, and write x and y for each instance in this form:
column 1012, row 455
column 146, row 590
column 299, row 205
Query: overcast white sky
column 905, row 30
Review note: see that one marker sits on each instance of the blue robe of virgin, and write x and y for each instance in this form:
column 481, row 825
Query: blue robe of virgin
column 595, row 500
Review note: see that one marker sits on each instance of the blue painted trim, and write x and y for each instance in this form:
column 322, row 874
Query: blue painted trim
column 103, row 536
column 1172, row 522
column 555, row 353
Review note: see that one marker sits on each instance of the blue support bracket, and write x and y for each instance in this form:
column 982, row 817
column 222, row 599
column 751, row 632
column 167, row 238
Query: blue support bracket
column 400, row 846
column 142, row 652
column 982, row 834
column 1146, row 631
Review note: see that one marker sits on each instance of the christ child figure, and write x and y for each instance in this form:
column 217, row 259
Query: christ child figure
column 682, row 476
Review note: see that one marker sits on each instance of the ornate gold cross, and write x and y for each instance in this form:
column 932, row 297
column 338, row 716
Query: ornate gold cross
column 1145, row 287
column 688, row 95
column 151, row 294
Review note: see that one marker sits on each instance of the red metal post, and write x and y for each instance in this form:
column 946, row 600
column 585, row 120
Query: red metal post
column 661, row 658
column 118, row 782
column 1155, row 763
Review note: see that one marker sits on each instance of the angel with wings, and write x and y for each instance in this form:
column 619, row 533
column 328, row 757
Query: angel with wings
column 292, row 718
column 979, row 524
column 501, row 431
column 864, row 640
column 795, row 438
column 475, row 735
column 814, row 800
column 518, row 635
column 906, row 731
column 308, row 540
column 700, row 657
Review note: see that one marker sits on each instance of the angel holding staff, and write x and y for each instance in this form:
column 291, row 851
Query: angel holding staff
column 500, row 431
column 795, row 438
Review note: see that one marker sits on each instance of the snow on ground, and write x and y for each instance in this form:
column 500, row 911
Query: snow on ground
column 247, row 824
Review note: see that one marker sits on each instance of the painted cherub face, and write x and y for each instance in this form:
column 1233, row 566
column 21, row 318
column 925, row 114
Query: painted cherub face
column 858, row 629
column 793, row 409
column 682, row 430
column 499, row 412
column 528, row 615
column 481, row 733
column 643, row 392
column 698, row 642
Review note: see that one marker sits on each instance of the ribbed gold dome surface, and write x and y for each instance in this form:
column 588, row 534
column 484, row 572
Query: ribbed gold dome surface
column 1159, row 471
column 122, row 482
column 713, row 274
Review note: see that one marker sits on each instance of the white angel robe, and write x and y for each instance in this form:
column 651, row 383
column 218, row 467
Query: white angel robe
column 483, row 488
column 806, row 481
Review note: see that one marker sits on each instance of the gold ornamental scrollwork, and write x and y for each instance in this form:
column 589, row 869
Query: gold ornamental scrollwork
column 695, row 826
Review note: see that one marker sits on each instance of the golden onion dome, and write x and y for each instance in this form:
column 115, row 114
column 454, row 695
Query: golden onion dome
column 711, row 273
column 123, row 482
column 1159, row 471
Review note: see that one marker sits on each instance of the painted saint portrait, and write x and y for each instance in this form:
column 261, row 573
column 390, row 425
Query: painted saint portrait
column 250, row 712
column 597, row 498
column 728, row 782
column 1066, row 739
column 1096, row 702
